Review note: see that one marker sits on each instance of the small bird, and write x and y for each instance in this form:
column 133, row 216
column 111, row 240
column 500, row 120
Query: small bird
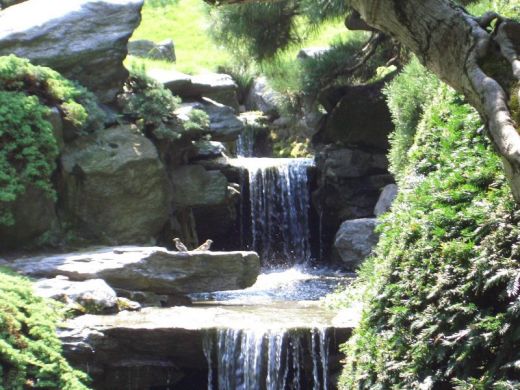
column 179, row 245
column 205, row 246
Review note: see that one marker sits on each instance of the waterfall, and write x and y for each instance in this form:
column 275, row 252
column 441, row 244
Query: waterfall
column 280, row 202
column 251, row 359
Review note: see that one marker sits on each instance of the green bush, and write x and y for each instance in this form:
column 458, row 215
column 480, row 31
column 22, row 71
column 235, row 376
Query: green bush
column 30, row 351
column 442, row 293
column 147, row 102
column 28, row 146
column 406, row 96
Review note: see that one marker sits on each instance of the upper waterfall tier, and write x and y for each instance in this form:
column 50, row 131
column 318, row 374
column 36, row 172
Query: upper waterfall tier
column 280, row 202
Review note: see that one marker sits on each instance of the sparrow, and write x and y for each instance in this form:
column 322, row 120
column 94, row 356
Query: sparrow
column 179, row 245
column 205, row 246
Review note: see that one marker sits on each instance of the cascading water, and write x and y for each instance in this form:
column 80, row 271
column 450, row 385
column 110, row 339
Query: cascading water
column 279, row 201
column 251, row 359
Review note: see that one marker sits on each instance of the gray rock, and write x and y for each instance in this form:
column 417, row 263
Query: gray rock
column 355, row 240
column 151, row 269
column 358, row 118
column 34, row 214
column 194, row 186
column 94, row 295
column 115, row 186
column 209, row 149
column 164, row 50
column 215, row 86
column 85, row 40
column 386, row 199
column 262, row 97
column 350, row 163
column 224, row 125
column 311, row 52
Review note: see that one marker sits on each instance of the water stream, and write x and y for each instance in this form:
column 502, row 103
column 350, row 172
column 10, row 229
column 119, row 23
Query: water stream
column 267, row 355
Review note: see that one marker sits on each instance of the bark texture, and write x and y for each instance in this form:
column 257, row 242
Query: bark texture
column 455, row 45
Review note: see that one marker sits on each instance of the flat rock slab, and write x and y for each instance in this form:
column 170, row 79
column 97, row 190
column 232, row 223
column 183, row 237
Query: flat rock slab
column 153, row 269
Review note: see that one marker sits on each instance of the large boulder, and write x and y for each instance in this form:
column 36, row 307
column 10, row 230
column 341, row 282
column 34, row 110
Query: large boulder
column 164, row 50
column 355, row 240
column 194, row 186
column 215, row 86
column 386, row 199
column 361, row 118
column 34, row 215
column 350, row 163
column 85, row 40
column 151, row 269
column 115, row 188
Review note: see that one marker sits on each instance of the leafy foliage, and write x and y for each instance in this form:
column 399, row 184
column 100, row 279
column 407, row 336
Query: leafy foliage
column 443, row 296
column 30, row 352
column 28, row 146
column 407, row 95
column 150, row 104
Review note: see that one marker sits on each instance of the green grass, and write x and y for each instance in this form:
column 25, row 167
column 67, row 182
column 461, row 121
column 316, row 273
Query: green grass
column 187, row 22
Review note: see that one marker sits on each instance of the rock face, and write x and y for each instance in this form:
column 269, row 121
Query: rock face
column 215, row 86
column 148, row 49
column 349, row 163
column 34, row 214
column 115, row 187
column 386, row 199
column 194, row 186
column 262, row 97
column 152, row 269
column 361, row 118
column 355, row 240
column 85, row 40
column 94, row 295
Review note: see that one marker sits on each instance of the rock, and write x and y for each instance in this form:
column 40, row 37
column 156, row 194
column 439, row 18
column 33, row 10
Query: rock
column 311, row 52
column 151, row 269
column 360, row 119
column 34, row 214
column 84, row 40
column 350, row 163
column 215, row 86
column 224, row 125
column 386, row 199
column 194, row 186
column 115, row 187
column 355, row 240
column 95, row 296
column 164, row 50
column 262, row 97
column 209, row 149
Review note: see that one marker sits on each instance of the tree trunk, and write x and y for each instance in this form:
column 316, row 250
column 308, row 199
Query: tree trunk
column 457, row 47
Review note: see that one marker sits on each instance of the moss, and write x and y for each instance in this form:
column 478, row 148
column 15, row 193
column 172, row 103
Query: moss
column 30, row 352
column 29, row 148
column 514, row 104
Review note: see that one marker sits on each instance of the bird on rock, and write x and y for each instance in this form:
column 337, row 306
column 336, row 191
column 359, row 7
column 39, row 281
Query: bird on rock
column 179, row 245
column 205, row 246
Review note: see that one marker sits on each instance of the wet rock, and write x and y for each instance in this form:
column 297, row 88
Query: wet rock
column 209, row 149
column 152, row 269
column 94, row 296
column 115, row 188
column 96, row 34
column 350, row 163
column 355, row 240
column 386, row 199
column 34, row 215
column 144, row 48
column 262, row 97
column 194, row 186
